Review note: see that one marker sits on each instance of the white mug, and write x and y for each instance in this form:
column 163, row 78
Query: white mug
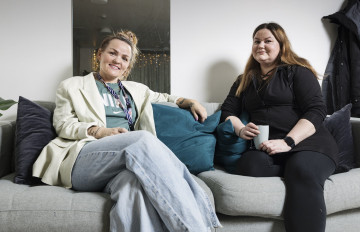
column 263, row 136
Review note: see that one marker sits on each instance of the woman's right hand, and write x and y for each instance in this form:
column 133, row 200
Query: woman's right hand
column 249, row 131
column 101, row 132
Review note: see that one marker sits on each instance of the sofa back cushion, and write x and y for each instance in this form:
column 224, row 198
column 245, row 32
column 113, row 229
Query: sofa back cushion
column 7, row 136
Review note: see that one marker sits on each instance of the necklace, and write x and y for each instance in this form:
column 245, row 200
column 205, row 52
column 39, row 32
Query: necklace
column 127, row 109
column 264, row 80
column 267, row 75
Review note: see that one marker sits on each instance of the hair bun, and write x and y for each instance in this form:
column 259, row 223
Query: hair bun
column 129, row 35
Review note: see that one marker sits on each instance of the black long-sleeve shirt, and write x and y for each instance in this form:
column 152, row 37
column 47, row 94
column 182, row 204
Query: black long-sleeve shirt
column 292, row 94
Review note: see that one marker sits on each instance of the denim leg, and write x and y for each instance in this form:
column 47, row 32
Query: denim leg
column 179, row 200
column 132, row 210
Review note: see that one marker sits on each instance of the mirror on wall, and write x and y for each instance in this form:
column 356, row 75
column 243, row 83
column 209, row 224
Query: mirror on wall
column 149, row 20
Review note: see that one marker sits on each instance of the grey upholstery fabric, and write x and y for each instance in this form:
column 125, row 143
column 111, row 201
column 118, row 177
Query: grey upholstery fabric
column 345, row 221
column 211, row 107
column 45, row 208
column 206, row 189
column 7, row 136
column 51, row 208
column 264, row 197
column 245, row 196
column 355, row 124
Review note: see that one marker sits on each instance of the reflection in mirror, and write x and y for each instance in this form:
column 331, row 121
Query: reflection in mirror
column 149, row 20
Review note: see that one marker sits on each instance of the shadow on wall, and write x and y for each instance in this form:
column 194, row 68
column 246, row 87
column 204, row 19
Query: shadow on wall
column 220, row 77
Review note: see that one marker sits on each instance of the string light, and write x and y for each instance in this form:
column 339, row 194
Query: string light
column 153, row 59
column 94, row 62
column 144, row 59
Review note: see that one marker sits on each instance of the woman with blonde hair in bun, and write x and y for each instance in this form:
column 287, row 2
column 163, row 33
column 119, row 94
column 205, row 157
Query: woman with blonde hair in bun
column 107, row 142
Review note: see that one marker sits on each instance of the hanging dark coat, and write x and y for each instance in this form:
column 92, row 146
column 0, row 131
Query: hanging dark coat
column 341, row 84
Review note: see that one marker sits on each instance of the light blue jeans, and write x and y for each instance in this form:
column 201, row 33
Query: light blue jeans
column 151, row 187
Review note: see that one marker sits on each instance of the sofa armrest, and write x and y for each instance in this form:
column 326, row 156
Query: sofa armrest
column 211, row 107
column 355, row 125
column 7, row 138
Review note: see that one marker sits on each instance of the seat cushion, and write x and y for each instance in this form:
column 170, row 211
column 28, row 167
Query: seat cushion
column 51, row 208
column 237, row 195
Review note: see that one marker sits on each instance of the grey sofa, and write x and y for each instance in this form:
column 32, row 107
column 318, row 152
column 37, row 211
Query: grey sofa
column 242, row 203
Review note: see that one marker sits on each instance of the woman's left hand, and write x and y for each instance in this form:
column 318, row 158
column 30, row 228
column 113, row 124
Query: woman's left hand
column 197, row 110
column 275, row 146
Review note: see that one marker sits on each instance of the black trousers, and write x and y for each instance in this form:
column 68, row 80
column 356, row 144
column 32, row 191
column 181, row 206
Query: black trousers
column 304, row 175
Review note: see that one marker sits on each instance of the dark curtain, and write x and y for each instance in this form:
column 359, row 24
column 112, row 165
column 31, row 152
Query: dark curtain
column 153, row 70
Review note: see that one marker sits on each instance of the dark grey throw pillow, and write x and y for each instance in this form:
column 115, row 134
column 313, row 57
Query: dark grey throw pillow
column 34, row 130
column 340, row 127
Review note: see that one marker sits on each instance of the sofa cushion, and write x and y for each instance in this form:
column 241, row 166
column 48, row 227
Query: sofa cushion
column 191, row 141
column 340, row 127
column 48, row 208
column 229, row 146
column 342, row 191
column 237, row 195
column 51, row 208
column 33, row 131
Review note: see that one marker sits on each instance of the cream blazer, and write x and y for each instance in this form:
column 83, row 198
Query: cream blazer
column 78, row 107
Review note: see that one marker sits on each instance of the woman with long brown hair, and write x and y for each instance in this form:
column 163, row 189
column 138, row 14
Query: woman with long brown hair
column 280, row 89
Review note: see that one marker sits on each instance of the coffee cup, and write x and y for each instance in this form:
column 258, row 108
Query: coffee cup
column 263, row 136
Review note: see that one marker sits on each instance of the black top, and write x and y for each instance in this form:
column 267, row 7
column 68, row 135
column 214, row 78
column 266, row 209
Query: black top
column 293, row 93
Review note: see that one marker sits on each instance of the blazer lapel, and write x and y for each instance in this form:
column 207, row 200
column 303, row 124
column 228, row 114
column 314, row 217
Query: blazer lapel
column 93, row 98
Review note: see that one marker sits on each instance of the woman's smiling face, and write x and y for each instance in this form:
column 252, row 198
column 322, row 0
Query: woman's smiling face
column 266, row 48
column 114, row 60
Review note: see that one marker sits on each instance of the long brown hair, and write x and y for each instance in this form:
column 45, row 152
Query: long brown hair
column 128, row 37
column 286, row 55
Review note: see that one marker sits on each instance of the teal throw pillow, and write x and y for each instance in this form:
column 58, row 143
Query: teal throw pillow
column 229, row 146
column 191, row 141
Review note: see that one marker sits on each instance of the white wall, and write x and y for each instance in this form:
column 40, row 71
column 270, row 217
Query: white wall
column 211, row 40
column 35, row 48
column 210, row 43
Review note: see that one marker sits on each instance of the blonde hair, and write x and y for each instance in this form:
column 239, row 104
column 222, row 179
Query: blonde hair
column 286, row 55
column 128, row 37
